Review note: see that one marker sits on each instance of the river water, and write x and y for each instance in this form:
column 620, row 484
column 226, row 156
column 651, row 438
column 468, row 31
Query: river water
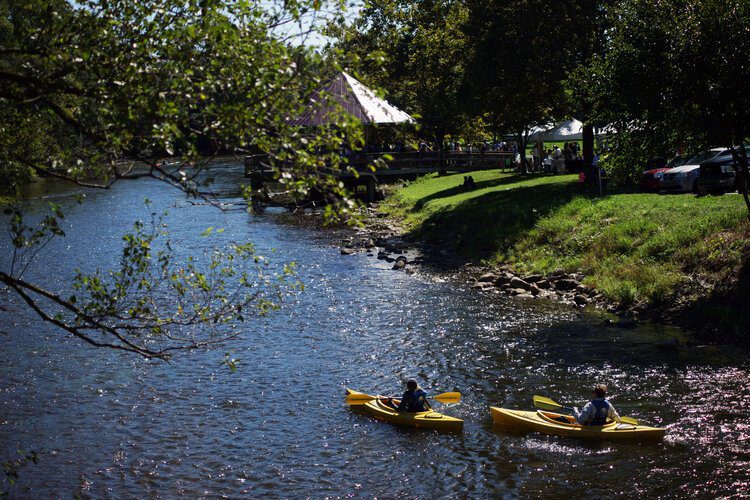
column 106, row 424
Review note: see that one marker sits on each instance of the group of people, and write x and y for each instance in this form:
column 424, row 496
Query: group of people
column 448, row 146
column 456, row 146
column 469, row 184
column 398, row 147
column 597, row 412
column 555, row 159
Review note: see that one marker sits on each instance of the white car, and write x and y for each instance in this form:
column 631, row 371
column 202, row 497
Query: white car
column 685, row 178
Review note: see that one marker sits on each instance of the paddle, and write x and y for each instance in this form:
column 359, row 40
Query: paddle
column 548, row 404
column 360, row 399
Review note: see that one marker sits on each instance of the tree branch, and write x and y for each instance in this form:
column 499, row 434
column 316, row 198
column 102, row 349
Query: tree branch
column 20, row 286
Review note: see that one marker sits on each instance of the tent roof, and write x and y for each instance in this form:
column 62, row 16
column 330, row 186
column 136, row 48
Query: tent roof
column 537, row 131
column 355, row 99
column 569, row 130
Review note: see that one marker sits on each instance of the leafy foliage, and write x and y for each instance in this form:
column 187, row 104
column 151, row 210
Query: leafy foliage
column 152, row 303
column 11, row 467
column 673, row 74
column 146, row 80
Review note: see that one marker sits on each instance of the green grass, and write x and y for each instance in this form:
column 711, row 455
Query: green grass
column 632, row 247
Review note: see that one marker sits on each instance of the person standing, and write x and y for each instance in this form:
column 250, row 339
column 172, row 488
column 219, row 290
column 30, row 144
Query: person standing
column 568, row 152
column 558, row 161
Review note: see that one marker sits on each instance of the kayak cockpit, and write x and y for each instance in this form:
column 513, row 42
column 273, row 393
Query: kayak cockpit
column 569, row 420
column 390, row 404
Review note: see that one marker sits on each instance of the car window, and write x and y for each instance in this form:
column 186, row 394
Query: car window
column 677, row 161
column 701, row 157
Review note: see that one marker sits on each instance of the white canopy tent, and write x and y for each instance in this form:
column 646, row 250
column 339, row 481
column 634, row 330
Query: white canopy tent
column 356, row 99
column 537, row 131
column 568, row 130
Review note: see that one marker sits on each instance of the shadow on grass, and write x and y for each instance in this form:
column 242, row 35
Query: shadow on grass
column 458, row 189
column 480, row 226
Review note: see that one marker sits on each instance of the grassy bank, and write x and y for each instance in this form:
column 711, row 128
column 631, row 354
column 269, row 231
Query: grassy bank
column 635, row 248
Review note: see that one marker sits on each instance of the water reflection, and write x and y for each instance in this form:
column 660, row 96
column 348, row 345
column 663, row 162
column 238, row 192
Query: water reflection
column 107, row 424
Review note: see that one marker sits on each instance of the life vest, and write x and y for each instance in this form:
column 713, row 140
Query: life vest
column 602, row 411
column 413, row 401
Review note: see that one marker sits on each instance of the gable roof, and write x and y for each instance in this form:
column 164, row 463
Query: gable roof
column 355, row 99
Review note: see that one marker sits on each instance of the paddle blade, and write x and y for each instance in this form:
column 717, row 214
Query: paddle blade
column 358, row 398
column 448, row 397
column 628, row 420
column 546, row 404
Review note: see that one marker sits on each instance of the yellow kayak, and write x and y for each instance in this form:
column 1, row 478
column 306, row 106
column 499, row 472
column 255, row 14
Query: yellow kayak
column 377, row 408
column 552, row 423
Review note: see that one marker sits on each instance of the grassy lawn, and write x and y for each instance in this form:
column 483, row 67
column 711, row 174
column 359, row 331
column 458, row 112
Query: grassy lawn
column 632, row 247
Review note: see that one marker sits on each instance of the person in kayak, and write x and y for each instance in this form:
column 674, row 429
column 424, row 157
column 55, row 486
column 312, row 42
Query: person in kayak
column 414, row 399
column 598, row 410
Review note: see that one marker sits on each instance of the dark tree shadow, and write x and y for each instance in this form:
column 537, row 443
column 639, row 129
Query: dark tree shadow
column 458, row 189
column 484, row 224
column 725, row 312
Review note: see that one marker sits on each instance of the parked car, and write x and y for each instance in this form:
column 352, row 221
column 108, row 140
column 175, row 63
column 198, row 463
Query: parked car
column 685, row 177
column 650, row 181
column 717, row 175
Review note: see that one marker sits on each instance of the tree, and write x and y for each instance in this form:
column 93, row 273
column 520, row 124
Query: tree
column 520, row 53
column 107, row 90
column 672, row 75
column 415, row 51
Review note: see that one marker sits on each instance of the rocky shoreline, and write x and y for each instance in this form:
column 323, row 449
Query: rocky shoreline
column 382, row 238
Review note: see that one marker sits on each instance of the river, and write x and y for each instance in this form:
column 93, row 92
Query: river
column 107, row 424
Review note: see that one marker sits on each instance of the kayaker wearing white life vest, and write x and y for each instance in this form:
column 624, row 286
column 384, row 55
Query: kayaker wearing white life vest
column 598, row 410
column 414, row 399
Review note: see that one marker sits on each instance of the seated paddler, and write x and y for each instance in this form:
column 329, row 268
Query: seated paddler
column 413, row 400
column 598, row 411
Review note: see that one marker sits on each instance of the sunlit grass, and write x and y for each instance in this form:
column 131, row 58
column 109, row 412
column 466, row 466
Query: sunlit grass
column 632, row 247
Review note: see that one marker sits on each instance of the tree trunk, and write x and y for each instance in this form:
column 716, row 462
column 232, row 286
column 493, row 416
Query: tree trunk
column 742, row 173
column 440, row 141
column 588, row 144
column 520, row 147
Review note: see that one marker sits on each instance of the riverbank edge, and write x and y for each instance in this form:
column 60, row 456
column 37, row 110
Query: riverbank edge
column 383, row 236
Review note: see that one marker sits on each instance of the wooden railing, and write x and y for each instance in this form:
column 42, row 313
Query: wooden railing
column 412, row 160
